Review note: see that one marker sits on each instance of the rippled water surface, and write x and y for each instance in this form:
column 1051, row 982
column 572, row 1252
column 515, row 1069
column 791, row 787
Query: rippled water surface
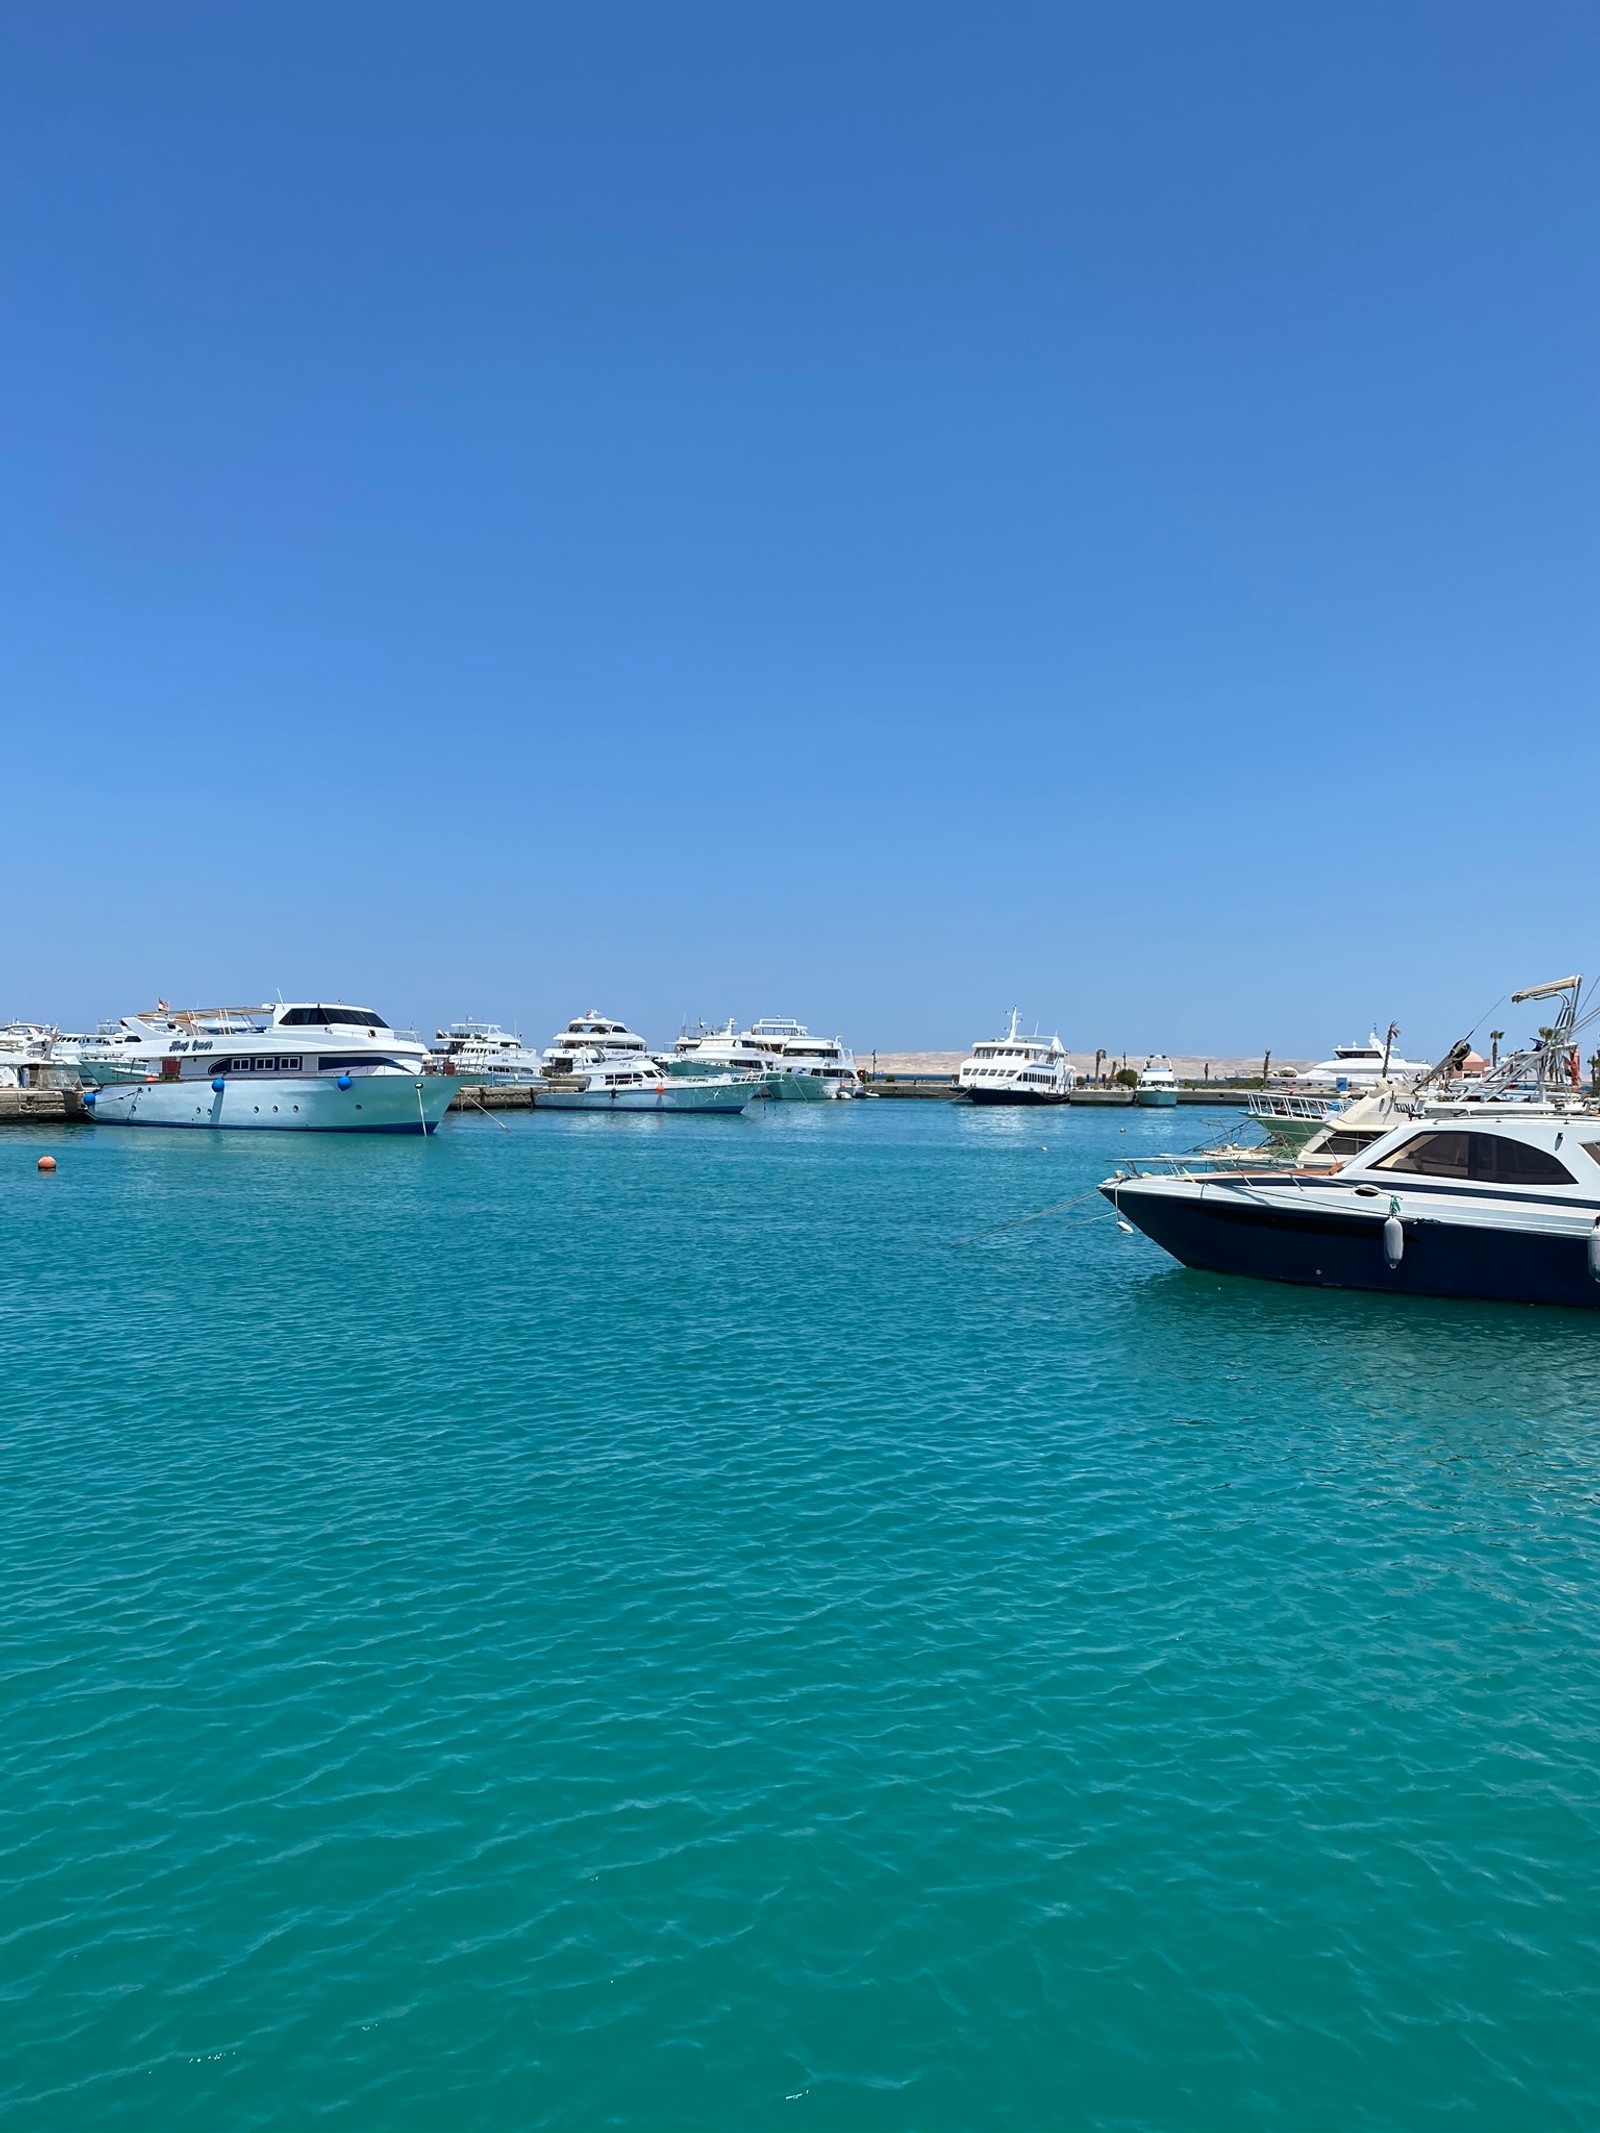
column 637, row 1623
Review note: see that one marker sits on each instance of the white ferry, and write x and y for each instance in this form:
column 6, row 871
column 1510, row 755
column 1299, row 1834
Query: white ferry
column 302, row 1067
column 1014, row 1069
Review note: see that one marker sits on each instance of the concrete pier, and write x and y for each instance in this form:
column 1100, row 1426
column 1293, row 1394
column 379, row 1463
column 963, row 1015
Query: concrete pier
column 29, row 1107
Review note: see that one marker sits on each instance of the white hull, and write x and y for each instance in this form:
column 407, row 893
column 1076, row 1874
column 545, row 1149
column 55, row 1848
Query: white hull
column 681, row 1093
column 373, row 1103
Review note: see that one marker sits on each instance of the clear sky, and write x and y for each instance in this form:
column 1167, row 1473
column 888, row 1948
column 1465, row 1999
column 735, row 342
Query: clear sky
column 874, row 512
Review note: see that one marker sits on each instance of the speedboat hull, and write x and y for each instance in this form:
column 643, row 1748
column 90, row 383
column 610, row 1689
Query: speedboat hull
column 371, row 1103
column 1313, row 1235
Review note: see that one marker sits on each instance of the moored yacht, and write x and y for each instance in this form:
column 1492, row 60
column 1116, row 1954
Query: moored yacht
column 1471, row 1184
column 1157, row 1086
column 825, row 1059
column 1360, row 1066
column 486, row 1055
column 620, row 1081
column 307, row 1067
column 762, row 1049
column 1499, row 1204
column 1014, row 1069
column 592, row 1035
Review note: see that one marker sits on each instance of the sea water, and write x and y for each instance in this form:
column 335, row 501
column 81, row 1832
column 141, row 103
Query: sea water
column 700, row 1622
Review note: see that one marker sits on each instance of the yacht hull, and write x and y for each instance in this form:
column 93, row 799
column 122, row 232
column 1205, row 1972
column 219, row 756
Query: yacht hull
column 1328, row 1247
column 1156, row 1099
column 373, row 1103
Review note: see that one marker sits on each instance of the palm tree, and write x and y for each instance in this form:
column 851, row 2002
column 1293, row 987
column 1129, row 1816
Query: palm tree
column 1494, row 1046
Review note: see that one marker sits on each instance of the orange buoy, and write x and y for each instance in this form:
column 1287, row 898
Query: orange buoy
column 47, row 1162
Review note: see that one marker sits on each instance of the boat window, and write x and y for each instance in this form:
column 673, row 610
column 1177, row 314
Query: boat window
column 263, row 1066
column 1591, row 1149
column 1430, row 1155
column 1485, row 1158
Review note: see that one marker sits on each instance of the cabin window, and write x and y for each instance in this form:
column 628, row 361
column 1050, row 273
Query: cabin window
column 263, row 1066
column 1483, row 1158
column 1591, row 1149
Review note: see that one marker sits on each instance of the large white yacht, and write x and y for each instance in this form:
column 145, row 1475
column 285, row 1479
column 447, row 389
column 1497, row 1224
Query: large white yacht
column 1014, row 1069
column 308, row 1067
column 794, row 1065
column 486, row 1055
column 1361, row 1066
column 592, row 1035
column 825, row 1059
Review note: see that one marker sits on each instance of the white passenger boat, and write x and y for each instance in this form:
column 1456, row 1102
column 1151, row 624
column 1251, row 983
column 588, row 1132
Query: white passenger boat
column 1157, row 1086
column 486, row 1055
column 302, row 1067
column 624, row 1082
column 1014, row 1069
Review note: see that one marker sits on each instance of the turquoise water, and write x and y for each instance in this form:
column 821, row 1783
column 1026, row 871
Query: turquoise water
column 633, row 1623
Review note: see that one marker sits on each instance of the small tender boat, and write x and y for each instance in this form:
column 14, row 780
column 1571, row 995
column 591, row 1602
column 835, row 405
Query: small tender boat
column 1158, row 1086
column 1014, row 1069
column 300, row 1067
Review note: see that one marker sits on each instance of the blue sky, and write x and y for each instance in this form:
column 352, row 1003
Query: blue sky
column 873, row 512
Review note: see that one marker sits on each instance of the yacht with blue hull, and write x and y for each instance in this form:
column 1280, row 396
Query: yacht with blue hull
column 1492, row 1194
column 297, row 1067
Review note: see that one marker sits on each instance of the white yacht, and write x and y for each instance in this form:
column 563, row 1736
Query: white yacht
column 1014, row 1069
column 621, row 1081
column 1360, row 1066
column 1157, row 1086
column 307, row 1067
column 759, row 1050
column 805, row 1058
column 486, row 1055
column 593, row 1035
column 825, row 1059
